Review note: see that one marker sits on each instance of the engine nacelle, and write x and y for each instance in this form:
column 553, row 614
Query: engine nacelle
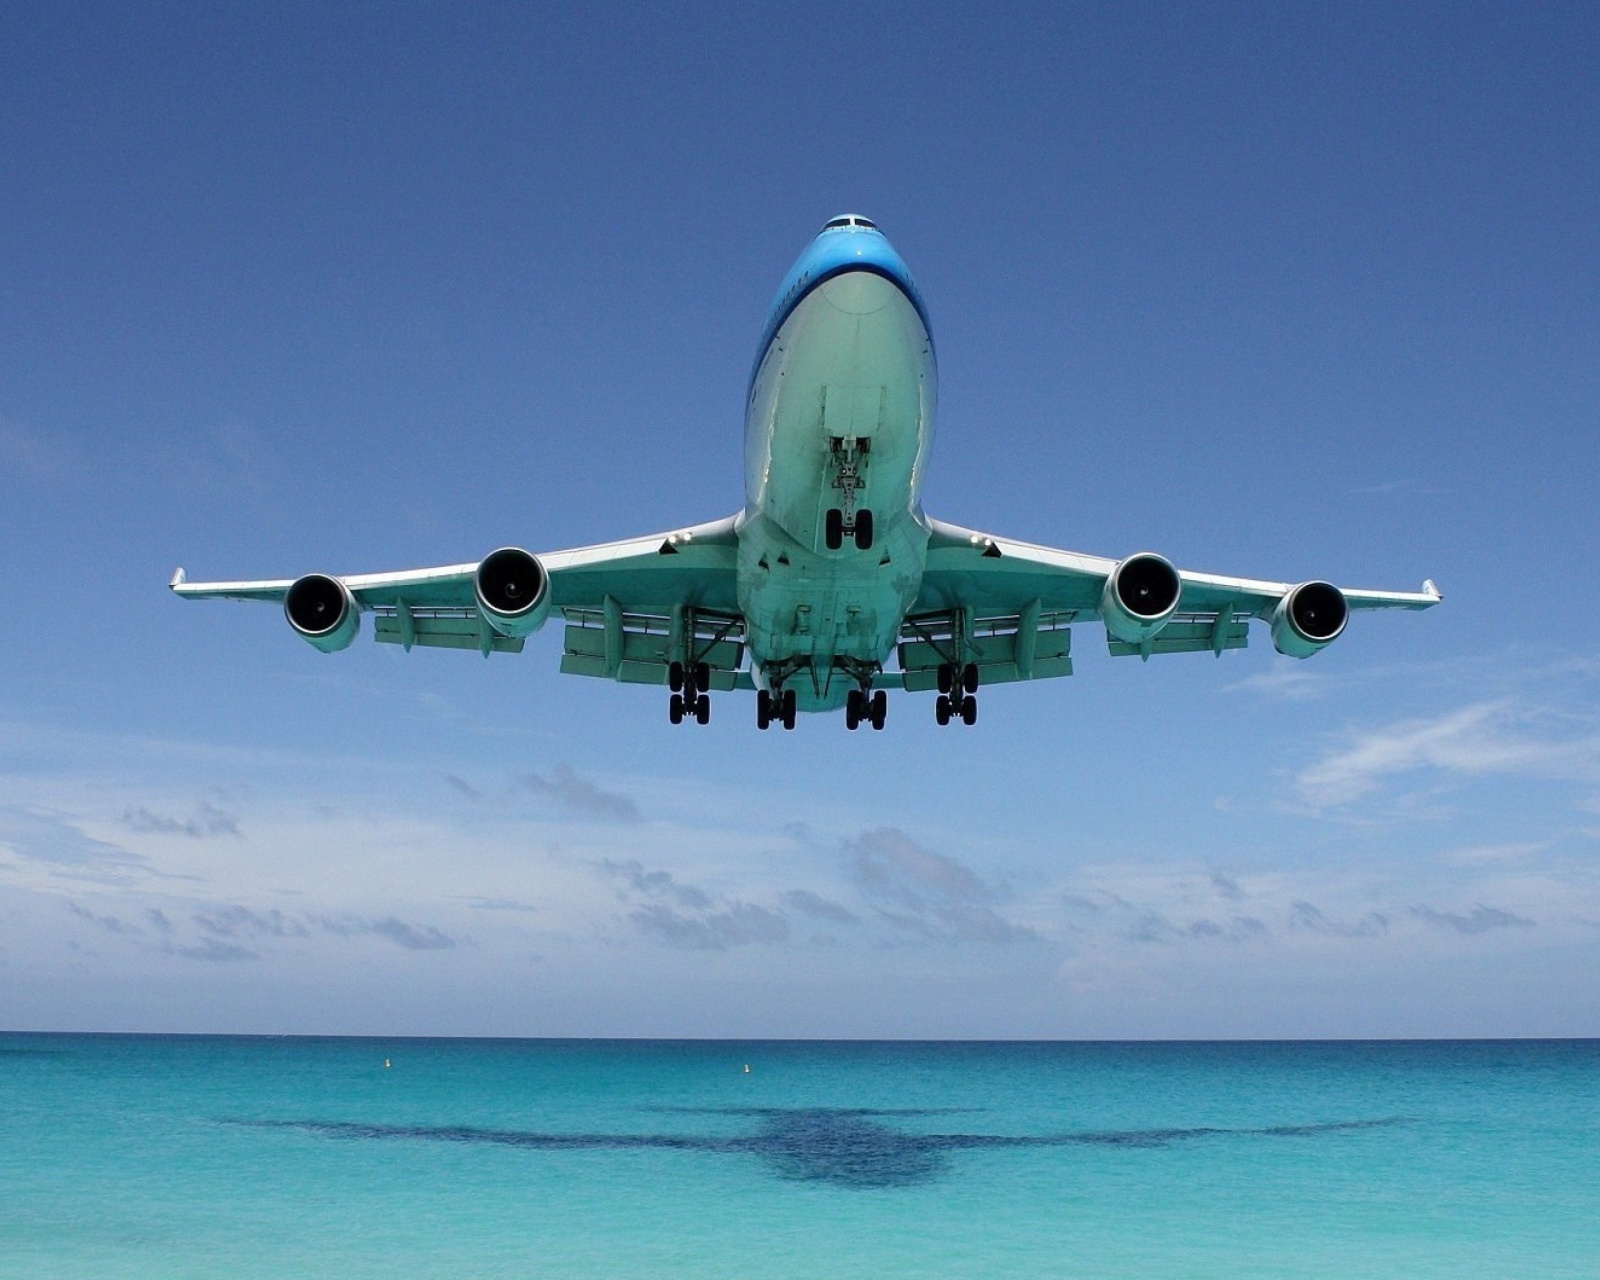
column 513, row 591
column 1140, row 597
column 1309, row 618
column 322, row 610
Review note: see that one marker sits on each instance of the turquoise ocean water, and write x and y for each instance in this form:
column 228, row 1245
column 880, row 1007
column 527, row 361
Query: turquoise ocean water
column 133, row 1156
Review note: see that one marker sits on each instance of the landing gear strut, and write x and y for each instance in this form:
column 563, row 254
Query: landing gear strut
column 691, row 698
column 850, row 455
column 956, row 694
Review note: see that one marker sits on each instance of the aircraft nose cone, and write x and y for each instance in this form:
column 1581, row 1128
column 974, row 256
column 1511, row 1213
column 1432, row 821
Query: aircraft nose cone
column 858, row 293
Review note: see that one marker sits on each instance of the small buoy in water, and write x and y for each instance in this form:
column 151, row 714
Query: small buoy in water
column 747, row 1068
column 386, row 1064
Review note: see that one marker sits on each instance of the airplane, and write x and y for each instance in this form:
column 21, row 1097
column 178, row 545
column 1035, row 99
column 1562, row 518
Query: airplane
column 831, row 569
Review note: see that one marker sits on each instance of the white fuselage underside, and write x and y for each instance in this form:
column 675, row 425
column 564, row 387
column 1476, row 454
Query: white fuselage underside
column 851, row 363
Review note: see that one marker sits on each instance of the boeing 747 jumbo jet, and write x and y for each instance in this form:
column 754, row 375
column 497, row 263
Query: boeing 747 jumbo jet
column 831, row 586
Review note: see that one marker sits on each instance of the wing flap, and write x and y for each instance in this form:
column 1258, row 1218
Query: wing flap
column 636, row 648
column 440, row 628
column 1030, row 645
column 1188, row 635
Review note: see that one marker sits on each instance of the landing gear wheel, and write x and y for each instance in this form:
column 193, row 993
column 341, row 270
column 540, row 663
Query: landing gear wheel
column 833, row 529
column 880, row 708
column 863, row 530
column 969, row 710
column 941, row 710
column 675, row 708
column 853, row 708
column 969, row 677
column 702, row 677
column 947, row 677
column 675, row 676
column 788, row 708
column 763, row 708
column 702, row 710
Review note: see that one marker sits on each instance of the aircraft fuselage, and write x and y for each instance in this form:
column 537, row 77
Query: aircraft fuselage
column 839, row 419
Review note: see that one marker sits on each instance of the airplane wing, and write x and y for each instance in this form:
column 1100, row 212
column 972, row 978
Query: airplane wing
column 631, row 607
column 1007, row 606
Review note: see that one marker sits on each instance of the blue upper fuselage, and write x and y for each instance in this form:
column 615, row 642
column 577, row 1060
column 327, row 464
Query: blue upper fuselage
column 846, row 243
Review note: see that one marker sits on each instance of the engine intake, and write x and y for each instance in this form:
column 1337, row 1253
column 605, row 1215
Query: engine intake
column 322, row 610
column 513, row 591
column 1309, row 618
column 1140, row 597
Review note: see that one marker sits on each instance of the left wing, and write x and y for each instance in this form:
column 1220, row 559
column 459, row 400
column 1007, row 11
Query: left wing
column 631, row 607
column 1009, row 604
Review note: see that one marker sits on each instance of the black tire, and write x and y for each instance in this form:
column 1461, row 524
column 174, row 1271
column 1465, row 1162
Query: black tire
column 675, row 708
column 947, row 677
column 702, row 710
column 702, row 677
column 675, row 676
column 788, row 708
column 941, row 710
column 969, row 711
column 880, row 709
column 763, row 708
column 852, row 709
column 833, row 528
column 969, row 677
column 863, row 531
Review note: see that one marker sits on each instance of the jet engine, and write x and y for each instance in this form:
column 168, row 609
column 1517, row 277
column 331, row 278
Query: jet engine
column 1140, row 596
column 322, row 610
column 1309, row 618
column 513, row 591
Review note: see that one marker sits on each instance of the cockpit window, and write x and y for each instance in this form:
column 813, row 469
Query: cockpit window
column 849, row 220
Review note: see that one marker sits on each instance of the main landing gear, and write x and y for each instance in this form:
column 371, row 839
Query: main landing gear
column 691, row 699
column 775, row 705
column 956, row 695
column 861, row 706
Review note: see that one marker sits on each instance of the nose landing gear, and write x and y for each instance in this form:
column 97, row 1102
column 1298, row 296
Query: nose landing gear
column 850, row 459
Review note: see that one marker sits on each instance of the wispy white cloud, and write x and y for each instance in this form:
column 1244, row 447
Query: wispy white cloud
column 54, row 840
column 664, row 908
column 1479, row 920
column 1480, row 854
column 207, row 821
column 922, row 891
column 1484, row 739
column 580, row 796
column 1284, row 682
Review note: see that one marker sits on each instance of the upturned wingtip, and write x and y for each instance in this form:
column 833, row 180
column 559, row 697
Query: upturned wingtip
column 179, row 577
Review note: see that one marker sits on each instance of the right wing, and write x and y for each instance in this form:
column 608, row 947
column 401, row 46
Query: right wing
column 1008, row 606
column 631, row 607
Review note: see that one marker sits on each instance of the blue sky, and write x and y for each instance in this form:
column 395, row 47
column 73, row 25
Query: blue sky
column 1277, row 291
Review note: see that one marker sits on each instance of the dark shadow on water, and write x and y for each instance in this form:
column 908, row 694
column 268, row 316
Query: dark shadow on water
column 850, row 1147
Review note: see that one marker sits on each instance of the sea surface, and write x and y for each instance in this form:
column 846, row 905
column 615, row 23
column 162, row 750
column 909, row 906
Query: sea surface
column 177, row 1156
